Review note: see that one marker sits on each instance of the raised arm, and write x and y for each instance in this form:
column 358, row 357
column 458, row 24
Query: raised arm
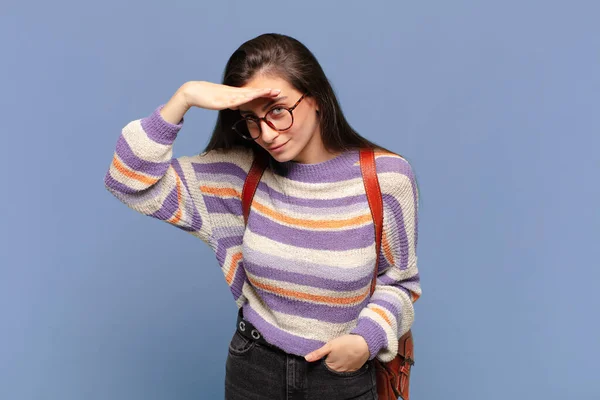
column 143, row 173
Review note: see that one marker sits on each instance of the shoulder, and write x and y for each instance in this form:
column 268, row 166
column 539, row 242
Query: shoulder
column 395, row 173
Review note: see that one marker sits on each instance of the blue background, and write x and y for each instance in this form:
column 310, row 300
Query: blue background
column 496, row 105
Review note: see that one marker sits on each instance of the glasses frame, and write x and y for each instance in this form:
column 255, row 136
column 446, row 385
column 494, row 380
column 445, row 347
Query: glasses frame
column 258, row 119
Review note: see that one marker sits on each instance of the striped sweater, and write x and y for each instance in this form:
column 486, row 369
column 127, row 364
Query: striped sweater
column 302, row 267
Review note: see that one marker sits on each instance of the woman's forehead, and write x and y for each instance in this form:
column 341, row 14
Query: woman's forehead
column 272, row 82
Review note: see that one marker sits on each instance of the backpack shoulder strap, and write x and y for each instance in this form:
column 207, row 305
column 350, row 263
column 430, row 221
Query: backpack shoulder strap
column 400, row 365
column 373, row 190
column 259, row 165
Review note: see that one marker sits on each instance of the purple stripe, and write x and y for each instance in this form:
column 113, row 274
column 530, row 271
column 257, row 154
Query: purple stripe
column 197, row 221
column 402, row 241
column 114, row 185
column 218, row 205
column 219, row 168
column 321, row 312
column 137, row 164
column 130, row 195
column 328, row 175
column 291, row 343
column 394, row 164
column 307, row 280
column 337, row 240
column 223, row 181
column 238, row 282
column 414, row 187
column 160, row 130
column 337, row 169
column 388, row 297
column 177, row 167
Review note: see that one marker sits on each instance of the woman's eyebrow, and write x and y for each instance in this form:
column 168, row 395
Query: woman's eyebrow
column 269, row 104
column 266, row 106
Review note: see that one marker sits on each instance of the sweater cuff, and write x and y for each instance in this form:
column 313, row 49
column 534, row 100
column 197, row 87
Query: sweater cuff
column 374, row 335
column 158, row 129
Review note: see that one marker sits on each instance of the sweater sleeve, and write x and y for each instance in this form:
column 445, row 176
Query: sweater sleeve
column 390, row 313
column 144, row 176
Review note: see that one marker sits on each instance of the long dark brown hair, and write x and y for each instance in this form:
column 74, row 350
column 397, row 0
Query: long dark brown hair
column 285, row 57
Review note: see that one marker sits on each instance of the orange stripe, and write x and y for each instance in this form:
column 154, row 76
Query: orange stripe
column 131, row 174
column 414, row 296
column 235, row 259
column 382, row 313
column 386, row 248
column 177, row 217
column 307, row 296
column 314, row 224
column 221, row 192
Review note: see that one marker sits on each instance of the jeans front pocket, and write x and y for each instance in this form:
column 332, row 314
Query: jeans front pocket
column 326, row 383
column 349, row 374
column 240, row 345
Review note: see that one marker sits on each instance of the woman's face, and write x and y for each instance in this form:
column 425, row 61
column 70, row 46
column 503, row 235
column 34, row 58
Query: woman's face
column 302, row 141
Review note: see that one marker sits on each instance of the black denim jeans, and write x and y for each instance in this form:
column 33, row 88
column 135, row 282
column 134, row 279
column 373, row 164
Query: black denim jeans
column 257, row 371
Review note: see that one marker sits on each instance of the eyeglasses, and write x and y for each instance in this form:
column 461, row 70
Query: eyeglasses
column 278, row 118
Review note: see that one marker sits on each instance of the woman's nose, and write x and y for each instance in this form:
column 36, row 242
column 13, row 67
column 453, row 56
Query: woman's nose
column 268, row 134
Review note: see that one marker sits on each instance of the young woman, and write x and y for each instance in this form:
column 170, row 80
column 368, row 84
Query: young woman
column 300, row 271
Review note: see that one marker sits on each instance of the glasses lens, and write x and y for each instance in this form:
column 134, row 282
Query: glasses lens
column 280, row 118
column 247, row 128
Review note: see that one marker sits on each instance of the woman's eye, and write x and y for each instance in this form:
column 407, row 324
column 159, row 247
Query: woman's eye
column 278, row 113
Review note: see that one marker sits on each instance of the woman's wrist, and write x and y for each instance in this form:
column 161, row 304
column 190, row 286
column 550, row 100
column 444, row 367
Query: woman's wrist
column 176, row 107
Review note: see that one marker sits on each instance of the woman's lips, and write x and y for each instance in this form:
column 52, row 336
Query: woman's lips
column 278, row 148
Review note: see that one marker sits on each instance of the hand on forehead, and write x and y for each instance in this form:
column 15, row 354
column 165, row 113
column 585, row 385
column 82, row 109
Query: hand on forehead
column 262, row 104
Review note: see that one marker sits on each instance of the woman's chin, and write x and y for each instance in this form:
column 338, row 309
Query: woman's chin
column 283, row 155
column 281, row 158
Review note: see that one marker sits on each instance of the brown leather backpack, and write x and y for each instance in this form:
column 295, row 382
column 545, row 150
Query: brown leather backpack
column 393, row 377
